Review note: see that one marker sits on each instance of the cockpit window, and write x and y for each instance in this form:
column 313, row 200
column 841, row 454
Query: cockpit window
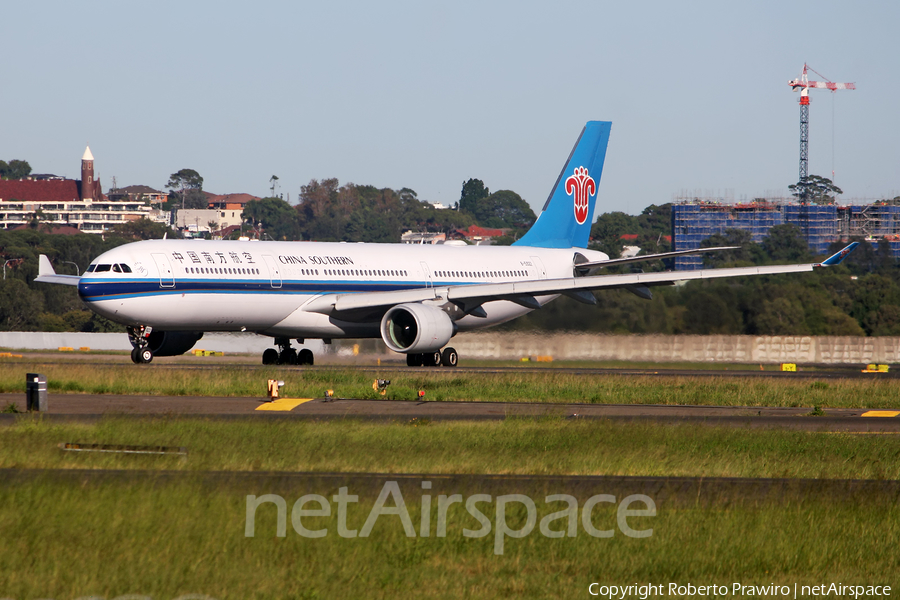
column 117, row 269
column 125, row 268
column 102, row 268
column 91, row 268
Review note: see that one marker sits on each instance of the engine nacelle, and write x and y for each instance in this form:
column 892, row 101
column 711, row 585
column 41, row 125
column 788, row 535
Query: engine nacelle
column 172, row 343
column 416, row 328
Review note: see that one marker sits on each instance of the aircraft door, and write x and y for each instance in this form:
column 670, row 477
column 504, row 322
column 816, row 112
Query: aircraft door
column 166, row 277
column 274, row 271
column 539, row 267
column 426, row 274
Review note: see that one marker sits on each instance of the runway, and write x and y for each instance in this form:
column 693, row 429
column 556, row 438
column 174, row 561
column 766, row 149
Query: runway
column 91, row 408
column 191, row 363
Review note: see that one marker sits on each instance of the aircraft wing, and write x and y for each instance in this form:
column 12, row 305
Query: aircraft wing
column 524, row 292
column 46, row 274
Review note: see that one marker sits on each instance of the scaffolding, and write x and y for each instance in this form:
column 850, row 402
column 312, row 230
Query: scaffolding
column 695, row 219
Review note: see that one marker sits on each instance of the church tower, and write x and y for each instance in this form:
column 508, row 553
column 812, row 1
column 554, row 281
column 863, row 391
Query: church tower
column 87, row 175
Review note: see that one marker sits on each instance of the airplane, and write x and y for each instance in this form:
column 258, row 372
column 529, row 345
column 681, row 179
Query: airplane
column 167, row 293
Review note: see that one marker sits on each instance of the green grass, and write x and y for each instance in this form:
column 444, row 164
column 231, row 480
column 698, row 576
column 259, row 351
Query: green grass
column 442, row 384
column 518, row 446
column 172, row 536
column 163, row 540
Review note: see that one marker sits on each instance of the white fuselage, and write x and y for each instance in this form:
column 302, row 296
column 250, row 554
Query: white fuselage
column 196, row 285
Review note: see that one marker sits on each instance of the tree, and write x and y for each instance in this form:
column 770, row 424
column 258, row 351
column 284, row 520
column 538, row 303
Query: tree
column 503, row 209
column 187, row 186
column 608, row 229
column 277, row 219
column 20, row 306
column 14, row 169
column 781, row 316
column 785, row 244
column 747, row 253
column 815, row 190
column 141, row 229
column 472, row 191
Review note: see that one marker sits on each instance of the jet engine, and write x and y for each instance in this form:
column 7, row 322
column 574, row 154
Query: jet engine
column 172, row 343
column 416, row 328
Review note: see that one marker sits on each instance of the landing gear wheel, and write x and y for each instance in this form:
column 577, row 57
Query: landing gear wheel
column 413, row 360
column 305, row 357
column 270, row 356
column 432, row 359
column 288, row 357
column 136, row 356
column 146, row 355
column 449, row 357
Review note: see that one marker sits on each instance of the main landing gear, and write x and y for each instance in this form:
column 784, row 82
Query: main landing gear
column 447, row 358
column 140, row 353
column 285, row 355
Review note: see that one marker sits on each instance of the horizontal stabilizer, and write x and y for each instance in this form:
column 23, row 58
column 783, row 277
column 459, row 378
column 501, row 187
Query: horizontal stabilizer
column 646, row 257
column 46, row 274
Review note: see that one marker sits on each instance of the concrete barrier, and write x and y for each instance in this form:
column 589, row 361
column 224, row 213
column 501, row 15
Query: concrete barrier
column 561, row 346
column 681, row 348
column 214, row 342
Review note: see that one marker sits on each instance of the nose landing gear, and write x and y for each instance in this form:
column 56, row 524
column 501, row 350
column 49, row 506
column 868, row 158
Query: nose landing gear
column 138, row 336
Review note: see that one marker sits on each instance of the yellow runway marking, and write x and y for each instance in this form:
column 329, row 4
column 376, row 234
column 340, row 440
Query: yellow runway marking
column 881, row 413
column 283, row 404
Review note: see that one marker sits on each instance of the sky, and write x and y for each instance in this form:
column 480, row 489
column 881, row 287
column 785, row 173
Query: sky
column 426, row 95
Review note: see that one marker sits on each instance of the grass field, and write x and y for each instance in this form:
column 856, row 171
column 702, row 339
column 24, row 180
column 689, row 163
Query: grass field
column 177, row 536
column 443, row 384
column 183, row 538
column 179, row 533
column 521, row 446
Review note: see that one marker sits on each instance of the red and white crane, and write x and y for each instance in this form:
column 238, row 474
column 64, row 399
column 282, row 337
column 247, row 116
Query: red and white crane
column 803, row 84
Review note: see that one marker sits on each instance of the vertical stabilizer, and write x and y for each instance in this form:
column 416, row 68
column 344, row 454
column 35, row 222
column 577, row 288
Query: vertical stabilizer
column 565, row 221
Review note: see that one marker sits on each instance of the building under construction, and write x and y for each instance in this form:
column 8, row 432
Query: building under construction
column 694, row 220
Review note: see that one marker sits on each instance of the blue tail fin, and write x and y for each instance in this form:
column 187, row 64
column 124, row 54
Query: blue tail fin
column 565, row 221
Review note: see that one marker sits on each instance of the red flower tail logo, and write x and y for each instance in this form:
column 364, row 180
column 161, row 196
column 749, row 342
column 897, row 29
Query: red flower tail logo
column 582, row 187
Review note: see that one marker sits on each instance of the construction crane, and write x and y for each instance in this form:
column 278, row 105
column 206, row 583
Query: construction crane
column 803, row 84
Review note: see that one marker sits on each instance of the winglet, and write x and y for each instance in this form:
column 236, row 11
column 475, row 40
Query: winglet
column 837, row 257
